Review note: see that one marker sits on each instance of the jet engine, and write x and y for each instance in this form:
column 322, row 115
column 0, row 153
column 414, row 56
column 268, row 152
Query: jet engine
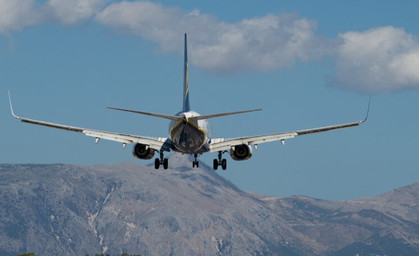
column 142, row 151
column 241, row 152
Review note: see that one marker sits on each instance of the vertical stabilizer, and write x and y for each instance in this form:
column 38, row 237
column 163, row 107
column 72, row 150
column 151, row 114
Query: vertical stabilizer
column 186, row 106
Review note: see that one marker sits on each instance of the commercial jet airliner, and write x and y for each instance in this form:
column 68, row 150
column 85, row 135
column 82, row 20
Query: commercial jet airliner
column 188, row 134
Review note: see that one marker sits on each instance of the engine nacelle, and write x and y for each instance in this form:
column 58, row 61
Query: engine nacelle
column 142, row 151
column 241, row 152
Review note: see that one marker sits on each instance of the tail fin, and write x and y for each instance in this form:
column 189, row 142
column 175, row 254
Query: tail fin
column 186, row 106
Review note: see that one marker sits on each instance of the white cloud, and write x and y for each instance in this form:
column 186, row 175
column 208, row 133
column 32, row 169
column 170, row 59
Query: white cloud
column 70, row 12
column 382, row 59
column 262, row 43
column 149, row 20
column 267, row 42
column 17, row 14
column 377, row 60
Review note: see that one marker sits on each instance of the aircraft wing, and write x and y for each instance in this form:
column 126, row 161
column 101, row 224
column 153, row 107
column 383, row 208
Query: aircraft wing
column 226, row 144
column 164, row 144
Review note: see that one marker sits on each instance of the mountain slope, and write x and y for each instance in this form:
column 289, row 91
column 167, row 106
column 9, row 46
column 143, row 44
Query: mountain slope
column 368, row 226
column 74, row 210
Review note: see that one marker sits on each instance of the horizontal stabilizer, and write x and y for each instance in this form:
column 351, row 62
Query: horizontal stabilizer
column 222, row 114
column 173, row 118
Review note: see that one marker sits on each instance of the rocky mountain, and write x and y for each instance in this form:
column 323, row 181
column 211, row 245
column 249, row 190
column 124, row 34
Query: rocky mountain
column 74, row 210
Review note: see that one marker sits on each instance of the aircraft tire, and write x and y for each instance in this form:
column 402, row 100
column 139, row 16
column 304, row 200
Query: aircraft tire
column 157, row 163
column 224, row 164
column 215, row 164
column 165, row 163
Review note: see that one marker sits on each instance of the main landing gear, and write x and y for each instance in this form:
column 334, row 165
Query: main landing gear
column 162, row 161
column 220, row 161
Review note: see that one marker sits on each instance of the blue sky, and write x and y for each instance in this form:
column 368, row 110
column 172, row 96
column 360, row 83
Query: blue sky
column 306, row 63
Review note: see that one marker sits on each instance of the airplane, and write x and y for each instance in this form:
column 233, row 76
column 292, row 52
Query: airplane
column 188, row 133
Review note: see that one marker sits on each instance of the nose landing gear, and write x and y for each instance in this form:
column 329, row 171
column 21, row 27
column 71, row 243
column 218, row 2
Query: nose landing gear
column 195, row 163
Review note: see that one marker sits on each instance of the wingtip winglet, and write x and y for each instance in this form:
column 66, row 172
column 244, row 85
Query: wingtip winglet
column 11, row 106
column 368, row 111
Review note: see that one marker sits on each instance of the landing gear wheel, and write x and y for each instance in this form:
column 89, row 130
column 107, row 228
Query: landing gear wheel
column 165, row 163
column 224, row 164
column 215, row 164
column 161, row 161
column 220, row 161
column 157, row 163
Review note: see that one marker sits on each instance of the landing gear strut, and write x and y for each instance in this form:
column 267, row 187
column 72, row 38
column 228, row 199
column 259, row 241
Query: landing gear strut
column 195, row 163
column 220, row 161
column 162, row 161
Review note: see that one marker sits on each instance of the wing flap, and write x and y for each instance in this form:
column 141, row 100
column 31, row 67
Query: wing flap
column 154, row 143
column 329, row 128
column 227, row 144
column 52, row 125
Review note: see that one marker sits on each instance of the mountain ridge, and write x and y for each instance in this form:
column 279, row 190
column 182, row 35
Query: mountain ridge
column 73, row 210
